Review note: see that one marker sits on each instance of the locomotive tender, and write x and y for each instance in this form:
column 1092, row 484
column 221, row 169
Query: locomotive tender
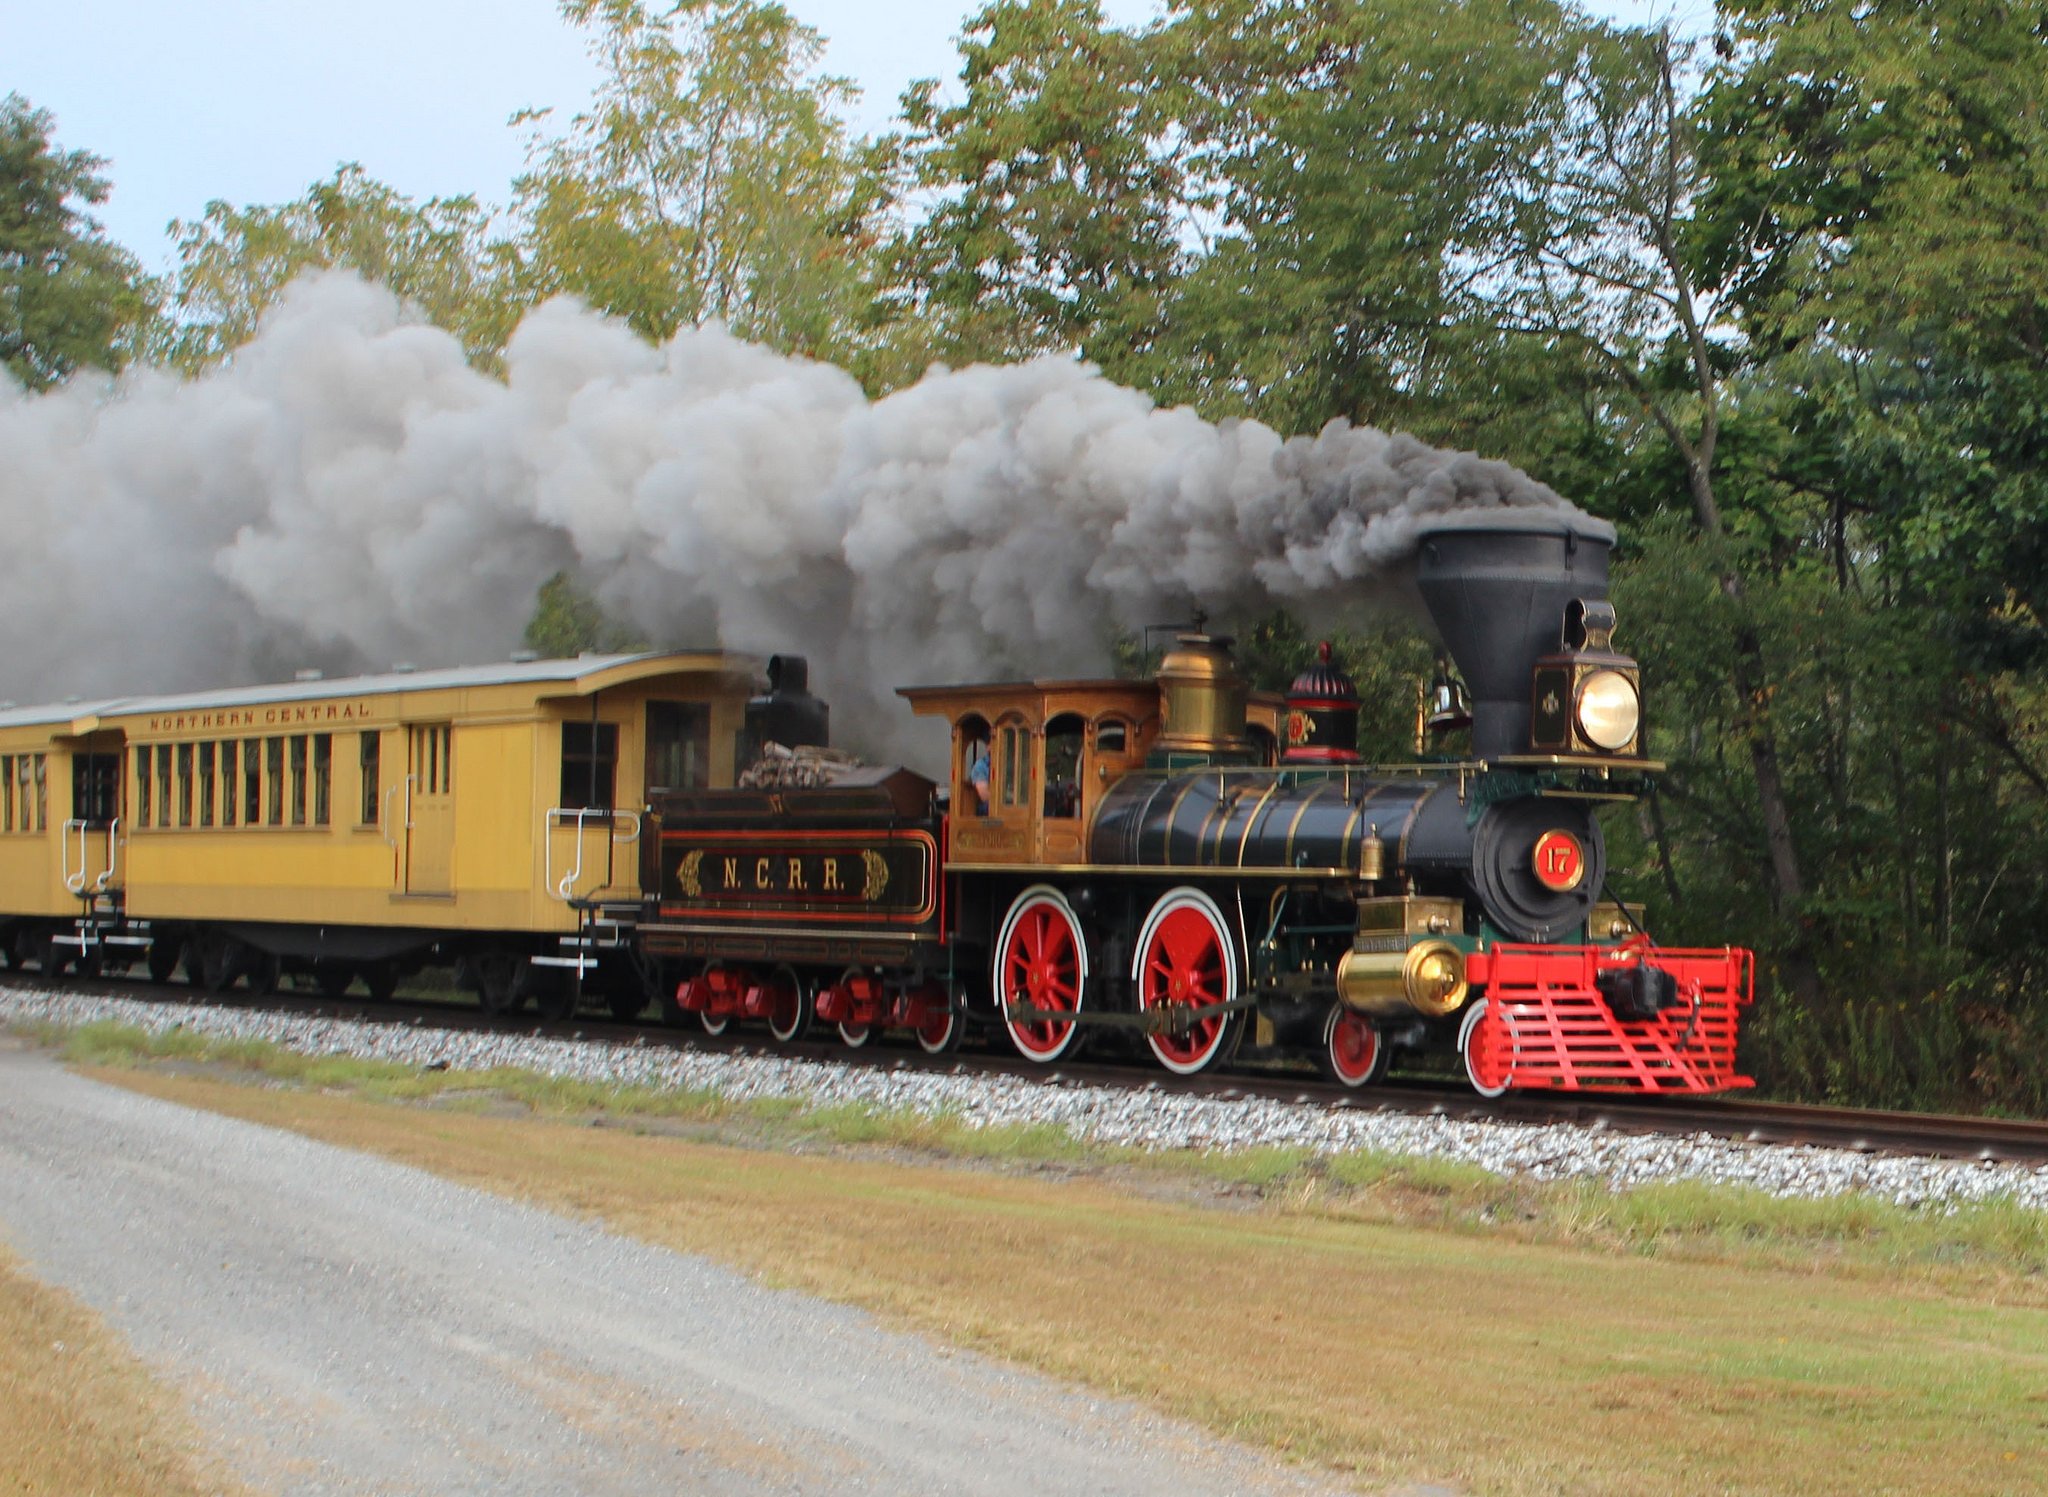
column 1177, row 860
column 1122, row 855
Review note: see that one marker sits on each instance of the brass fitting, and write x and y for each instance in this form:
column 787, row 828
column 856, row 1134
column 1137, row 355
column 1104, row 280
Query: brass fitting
column 1427, row 978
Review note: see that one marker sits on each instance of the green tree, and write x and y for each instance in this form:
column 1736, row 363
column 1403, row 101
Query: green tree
column 1351, row 153
column 567, row 621
column 70, row 298
column 711, row 178
column 1889, row 167
column 439, row 255
column 1056, row 201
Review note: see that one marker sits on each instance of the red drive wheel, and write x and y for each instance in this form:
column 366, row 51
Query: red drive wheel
column 1489, row 1052
column 1042, row 961
column 790, row 1005
column 1186, row 959
column 1354, row 1054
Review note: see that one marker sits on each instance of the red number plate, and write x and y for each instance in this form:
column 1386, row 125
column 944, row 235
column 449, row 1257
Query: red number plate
column 1560, row 861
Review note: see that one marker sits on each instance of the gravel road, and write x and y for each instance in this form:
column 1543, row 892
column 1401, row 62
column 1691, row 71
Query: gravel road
column 345, row 1325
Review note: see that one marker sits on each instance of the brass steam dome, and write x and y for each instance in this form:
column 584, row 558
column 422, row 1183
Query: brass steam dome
column 1202, row 698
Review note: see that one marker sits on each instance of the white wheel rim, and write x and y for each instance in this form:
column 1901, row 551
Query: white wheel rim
column 1170, row 903
column 1337, row 1069
column 1472, row 1017
column 938, row 1046
column 1041, row 896
column 803, row 1006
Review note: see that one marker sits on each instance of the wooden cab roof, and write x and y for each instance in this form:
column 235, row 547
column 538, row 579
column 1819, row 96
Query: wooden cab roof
column 1037, row 702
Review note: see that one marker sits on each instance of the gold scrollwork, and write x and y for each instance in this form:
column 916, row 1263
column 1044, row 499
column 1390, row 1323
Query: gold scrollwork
column 877, row 875
column 687, row 873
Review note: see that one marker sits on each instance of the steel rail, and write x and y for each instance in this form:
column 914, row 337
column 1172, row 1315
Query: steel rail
column 1928, row 1135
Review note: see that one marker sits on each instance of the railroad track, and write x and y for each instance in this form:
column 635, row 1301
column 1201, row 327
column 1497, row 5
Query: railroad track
column 1898, row 1133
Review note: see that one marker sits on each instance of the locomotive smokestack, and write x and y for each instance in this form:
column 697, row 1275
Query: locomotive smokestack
column 1497, row 596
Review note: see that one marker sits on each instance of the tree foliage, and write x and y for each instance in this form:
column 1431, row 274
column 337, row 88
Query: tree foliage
column 712, row 177
column 70, row 298
column 235, row 261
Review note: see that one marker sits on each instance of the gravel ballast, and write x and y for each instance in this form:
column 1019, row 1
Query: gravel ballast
column 1140, row 1119
column 343, row 1325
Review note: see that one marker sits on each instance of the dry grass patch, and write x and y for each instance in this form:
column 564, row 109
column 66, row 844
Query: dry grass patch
column 1379, row 1347
column 78, row 1414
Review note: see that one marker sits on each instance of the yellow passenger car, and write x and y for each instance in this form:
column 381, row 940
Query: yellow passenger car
column 487, row 816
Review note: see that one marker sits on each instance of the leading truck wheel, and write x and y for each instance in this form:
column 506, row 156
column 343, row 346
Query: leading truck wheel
column 1186, row 961
column 1042, row 962
column 1489, row 1056
column 1354, row 1054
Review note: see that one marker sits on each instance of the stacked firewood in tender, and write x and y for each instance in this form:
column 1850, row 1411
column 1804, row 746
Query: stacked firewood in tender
column 799, row 768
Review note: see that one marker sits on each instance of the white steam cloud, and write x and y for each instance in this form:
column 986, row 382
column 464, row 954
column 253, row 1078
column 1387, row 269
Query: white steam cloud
column 348, row 492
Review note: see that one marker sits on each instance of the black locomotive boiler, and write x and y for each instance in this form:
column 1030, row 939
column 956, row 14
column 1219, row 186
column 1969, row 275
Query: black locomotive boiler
column 1204, row 869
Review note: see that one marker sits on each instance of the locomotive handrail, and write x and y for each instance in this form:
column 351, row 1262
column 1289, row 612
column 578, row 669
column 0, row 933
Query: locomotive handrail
column 74, row 880
column 564, row 889
column 113, row 855
column 390, row 836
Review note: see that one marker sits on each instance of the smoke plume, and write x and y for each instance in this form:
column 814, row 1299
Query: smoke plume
column 347, row 492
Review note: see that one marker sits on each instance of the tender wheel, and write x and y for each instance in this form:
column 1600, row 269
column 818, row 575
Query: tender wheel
column 853, row 1036
column 217, row 965
column 1041, row 960
column 1489, row 1058
column 495, row 976
column 265, row 972
column 556, row 991
column 162, row 959
column 1185, row 959
column 331, row 978
column 381, row 980
column 789, row 1020
column 1353, row 1052
column 627, row 1003
column 715, row 1023
column 53, row 959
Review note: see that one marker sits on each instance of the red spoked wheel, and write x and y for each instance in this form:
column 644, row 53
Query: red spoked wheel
column 940, row 1031
column 716, row 1023
column 790, row 1006
column 1041, row 961
column 1186, row 960
column 1354, row 1054
column 1488, row 1050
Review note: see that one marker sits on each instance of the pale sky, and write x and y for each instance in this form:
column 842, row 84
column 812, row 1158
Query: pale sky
column 254, row 100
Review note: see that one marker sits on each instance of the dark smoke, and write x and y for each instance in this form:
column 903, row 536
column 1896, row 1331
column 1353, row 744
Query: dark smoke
column 348, row 492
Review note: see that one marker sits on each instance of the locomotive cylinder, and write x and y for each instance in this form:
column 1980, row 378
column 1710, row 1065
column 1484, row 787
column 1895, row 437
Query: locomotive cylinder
column 1427, row 979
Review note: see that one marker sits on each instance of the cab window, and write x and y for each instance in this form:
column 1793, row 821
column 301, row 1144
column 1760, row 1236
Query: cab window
column 1013, row 765
column 1063, row 738
column 974, row 775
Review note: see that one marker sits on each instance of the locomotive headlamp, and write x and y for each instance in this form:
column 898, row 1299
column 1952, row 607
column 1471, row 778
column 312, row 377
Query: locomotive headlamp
column 1609, row 710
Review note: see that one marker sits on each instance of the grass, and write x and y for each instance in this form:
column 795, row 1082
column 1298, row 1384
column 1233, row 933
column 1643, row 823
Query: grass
column 1992, row 1242
column 1397, row 1319
column 77, row 1413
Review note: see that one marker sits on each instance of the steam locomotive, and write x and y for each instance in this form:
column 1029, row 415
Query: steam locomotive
column 1200, row 869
